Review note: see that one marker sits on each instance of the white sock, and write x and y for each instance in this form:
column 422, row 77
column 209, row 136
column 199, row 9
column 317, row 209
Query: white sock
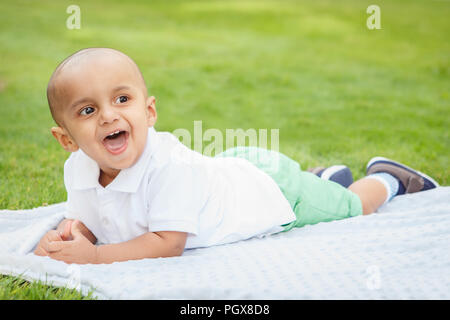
column 389, row 181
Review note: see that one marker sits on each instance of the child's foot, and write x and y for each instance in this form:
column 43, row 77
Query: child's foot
column 410, row 180
column 338, row 173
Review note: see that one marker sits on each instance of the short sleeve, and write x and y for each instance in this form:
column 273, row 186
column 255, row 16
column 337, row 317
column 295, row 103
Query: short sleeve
column 70, row 212
column 68, row 178
column 177, row 196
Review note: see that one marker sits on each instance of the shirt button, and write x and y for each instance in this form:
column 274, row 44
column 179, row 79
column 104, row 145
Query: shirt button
column 105, row 220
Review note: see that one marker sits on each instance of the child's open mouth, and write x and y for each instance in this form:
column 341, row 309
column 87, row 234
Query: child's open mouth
column 116, row 142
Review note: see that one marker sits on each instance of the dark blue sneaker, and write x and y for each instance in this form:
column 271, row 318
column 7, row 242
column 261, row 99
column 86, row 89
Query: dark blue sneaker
column 339, row 173
column 410, row 180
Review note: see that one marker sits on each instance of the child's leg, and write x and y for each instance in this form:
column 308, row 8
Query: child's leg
column 372, row 193
column 387, row 178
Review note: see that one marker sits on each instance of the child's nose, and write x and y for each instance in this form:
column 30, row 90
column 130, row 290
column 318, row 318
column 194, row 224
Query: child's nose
column 108, row 115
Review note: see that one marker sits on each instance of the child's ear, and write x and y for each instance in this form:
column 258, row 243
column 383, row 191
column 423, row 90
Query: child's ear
column 64, row 139
column 151, row 111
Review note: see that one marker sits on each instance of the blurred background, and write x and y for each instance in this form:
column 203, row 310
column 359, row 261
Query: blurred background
column 337, row 91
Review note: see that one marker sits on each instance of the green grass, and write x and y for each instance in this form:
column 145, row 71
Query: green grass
column 16, row 288
column 338, row 92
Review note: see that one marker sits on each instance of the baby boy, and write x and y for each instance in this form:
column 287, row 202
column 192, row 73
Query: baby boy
column 134, row 192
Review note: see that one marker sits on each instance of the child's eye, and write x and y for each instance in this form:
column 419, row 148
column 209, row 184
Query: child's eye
column 86, row 111
column 122, row 99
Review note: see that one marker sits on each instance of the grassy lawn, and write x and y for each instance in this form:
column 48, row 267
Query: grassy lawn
column 337, row 92
column 19, row 289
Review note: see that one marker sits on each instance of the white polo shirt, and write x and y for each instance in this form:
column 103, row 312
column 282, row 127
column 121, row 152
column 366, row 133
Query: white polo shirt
column 173, row 188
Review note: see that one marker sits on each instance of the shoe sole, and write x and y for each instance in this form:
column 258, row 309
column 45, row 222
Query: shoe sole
column 382, row 159
column 328, row 172
column 343, row 174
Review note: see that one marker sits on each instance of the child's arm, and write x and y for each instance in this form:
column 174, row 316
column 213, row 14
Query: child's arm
column 149, row 245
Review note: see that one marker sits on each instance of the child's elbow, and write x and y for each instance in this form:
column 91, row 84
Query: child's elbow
column 178, row 248
column 171, row 251
column 174, row 243
column 178, row 252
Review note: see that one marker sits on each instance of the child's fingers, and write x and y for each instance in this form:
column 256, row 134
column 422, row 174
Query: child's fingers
column 67, row 230
column 55, row 255
column 60, row 257
column 53, row 235
column 76, row 229
column 54, row 246
column 39, row 251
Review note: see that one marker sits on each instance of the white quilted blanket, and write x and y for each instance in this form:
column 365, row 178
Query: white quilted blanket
column 400, row 252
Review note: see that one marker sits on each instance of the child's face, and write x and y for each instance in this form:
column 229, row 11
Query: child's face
column 105, row 111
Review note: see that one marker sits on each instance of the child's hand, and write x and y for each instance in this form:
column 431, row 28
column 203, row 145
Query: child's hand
column 79, row 250
column 53, row 235
column 42, row 247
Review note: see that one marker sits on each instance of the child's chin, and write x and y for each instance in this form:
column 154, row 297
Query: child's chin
column 124, row 163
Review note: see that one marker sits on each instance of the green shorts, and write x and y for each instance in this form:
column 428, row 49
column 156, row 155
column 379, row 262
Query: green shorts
column 312, row 199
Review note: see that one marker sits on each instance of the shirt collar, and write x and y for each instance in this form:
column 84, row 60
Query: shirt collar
column 87, row 170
